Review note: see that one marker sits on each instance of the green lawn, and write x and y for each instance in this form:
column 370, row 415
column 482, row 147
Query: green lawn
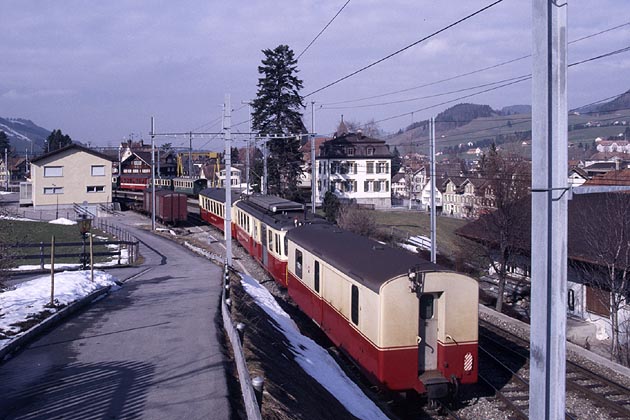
column 24, row 232
column 418, row 223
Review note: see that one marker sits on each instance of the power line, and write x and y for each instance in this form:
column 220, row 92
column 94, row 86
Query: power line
column 611, row 53
column 458, row 76
column 406, row 47
column 322, row 31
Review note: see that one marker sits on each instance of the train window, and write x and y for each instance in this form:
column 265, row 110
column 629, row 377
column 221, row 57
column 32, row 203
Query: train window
column 316, row 278
column 270, row 236
column 298, row 263
column 286, row 246
column 277, row 244
column 426, row 306
column 355, row 305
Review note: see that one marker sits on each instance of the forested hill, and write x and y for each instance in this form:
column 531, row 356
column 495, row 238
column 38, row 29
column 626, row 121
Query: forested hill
column 621, row 102
column 24, row 134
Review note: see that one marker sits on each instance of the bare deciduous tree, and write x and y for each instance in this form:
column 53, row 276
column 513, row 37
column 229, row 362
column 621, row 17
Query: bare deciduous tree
column 507, row 180
column 357, row 220
column 602, row 237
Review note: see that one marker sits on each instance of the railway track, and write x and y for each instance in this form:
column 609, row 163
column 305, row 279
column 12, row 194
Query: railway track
column 504, row 366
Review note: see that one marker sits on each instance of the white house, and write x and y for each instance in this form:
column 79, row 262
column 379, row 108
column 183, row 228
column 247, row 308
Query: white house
column 356, row 168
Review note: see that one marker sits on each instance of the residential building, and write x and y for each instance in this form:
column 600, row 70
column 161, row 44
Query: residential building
column 356, row 168
column 71, row 175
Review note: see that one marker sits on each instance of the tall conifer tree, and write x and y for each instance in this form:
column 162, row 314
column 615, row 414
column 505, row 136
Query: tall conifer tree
column 277, row 111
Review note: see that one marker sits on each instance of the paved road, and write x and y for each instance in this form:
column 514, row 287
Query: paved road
column 150, row 350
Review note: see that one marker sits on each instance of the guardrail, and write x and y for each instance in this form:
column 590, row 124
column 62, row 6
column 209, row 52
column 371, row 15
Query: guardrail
column 44, row 251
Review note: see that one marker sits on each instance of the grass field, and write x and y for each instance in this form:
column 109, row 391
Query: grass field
column 418, row 223
column 26, row 232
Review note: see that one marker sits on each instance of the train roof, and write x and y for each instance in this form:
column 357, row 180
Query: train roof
column 165, row 192
column 218, row 194
column 276, row 212
column 365, row 260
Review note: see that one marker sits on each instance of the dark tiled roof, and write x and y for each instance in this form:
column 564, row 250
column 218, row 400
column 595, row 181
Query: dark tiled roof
column 71, row 147
column 358, row 257
column 587, row 213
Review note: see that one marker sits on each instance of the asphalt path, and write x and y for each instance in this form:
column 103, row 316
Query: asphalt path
column 151, row 350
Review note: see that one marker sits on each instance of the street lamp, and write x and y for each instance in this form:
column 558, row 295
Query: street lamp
column 57, row 201
column 84, row 223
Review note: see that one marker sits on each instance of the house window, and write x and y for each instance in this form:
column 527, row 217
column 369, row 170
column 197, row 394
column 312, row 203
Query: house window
column 316, row 278
column 95, row 188
column 354, row 303
column 366, row 186
column 350, row 151
column 377, row 186
column 53, row 171
column 370, row 151
column 53, row 190
column 370, row 167
column 98, row 170
column 298, row 263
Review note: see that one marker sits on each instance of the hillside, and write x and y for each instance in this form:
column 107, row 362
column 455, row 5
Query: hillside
column 469, row 126
column 24, row 134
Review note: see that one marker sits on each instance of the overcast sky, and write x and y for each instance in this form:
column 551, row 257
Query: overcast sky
column 98, row 70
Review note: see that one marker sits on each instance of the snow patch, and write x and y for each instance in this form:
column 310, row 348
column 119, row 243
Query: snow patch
column 63, row 221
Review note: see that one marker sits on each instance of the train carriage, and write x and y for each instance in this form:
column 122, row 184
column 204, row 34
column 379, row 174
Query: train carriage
column 190, row 186
column 408, row 323
column 170, row 207
column 260, row 226
column 212, row 207
column 134, row 182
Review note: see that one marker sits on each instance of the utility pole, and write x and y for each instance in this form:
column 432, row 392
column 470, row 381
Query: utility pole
column 190, row 163
column 313, row 171
column 152, row 173
column 227, row 126
column 6, row 168
column 432, row 180
column 549, row 211
column 249, row 141
column 265, row 153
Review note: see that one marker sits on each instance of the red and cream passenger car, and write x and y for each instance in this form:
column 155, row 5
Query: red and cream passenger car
column 260, row 226
column 410, row 324
column 212, row 207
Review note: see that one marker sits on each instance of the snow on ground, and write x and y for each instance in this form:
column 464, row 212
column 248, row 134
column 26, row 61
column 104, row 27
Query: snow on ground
column 314, row 359
column 21, row 219
column 124, row 259
column 29, row 298
column 63, row 221
column 5, row 192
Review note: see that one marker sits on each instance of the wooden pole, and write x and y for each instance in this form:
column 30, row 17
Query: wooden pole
column 52, row 271
column 91, row 259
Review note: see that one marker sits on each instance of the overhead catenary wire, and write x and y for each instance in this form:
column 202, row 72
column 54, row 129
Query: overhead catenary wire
column 457, row 22
column 322, row 31
column 458, row 76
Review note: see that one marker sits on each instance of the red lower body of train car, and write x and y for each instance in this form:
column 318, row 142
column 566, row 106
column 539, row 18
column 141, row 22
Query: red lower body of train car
column 275, row 267
column 389, row 367
column 213, row 219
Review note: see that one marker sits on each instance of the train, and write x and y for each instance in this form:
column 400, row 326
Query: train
column 410, row 325
column 142, row 182
column 171, row 207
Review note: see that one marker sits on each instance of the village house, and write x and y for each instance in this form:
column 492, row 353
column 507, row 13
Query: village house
column 356, row 168
column 71, row 175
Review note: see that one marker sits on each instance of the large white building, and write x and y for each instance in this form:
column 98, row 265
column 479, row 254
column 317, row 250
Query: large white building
column 356, row 168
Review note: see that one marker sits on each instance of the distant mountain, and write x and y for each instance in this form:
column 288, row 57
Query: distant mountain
column 24, row 135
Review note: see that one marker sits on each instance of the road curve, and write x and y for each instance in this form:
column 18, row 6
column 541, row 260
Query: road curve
column 151, row 350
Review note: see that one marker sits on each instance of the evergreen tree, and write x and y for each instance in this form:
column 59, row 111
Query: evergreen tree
column 234, row 156
column 4, row 143
column 396, row 162
column 277, row 111
column 57, row 140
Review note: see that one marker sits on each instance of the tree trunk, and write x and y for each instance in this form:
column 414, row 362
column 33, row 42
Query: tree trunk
column 501, row 291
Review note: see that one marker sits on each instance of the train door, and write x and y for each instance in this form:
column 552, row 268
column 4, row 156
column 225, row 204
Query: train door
column 263, row 242
column 427, row 333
